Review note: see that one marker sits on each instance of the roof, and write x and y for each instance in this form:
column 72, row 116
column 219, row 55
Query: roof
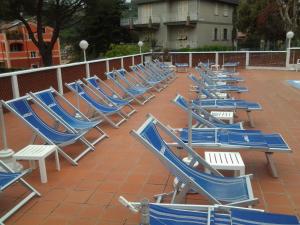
column 234, row 2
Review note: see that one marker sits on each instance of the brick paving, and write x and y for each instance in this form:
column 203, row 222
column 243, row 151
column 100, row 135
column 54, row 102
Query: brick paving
column 87, row 194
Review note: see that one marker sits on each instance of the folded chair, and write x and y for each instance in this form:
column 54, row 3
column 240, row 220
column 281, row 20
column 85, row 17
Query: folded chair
column 203, row 118
column 217, row 188
column 218, row 73
column 109, row 94
column 186, row 214
column 9, row 178
column 23, row 110
column 167, row 69
column 151, row 82
column 213, row 86
column 105, row 111
column 140, row 95
column 78, row 122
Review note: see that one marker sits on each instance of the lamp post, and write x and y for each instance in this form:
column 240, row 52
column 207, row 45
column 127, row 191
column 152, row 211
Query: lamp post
column 140, row 44
column 6, row 154
column 289, row 37
column 84, row 45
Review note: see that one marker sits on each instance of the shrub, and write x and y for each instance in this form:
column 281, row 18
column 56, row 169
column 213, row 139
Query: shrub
column 125, row 49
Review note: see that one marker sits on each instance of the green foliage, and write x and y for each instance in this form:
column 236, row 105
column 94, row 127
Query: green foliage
column 125, row 49
column 100, row 26
column 207, row 48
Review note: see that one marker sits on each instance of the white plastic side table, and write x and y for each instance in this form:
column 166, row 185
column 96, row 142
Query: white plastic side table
column 226, row 161
column 227, row 116
column 39, row 153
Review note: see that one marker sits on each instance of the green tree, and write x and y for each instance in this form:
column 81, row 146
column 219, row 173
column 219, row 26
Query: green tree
column 100, row 26
column 58, row 14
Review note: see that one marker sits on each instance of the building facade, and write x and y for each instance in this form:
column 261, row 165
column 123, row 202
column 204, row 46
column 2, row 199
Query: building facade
column 184, row 23
column 17, row 49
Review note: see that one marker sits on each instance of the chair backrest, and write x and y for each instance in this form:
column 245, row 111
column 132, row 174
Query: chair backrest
column 77, row 88
column 183, row 104
column 22, row 108
column 47, row 97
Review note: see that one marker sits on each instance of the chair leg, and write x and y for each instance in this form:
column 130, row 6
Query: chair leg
column 251, row 121
column 271, row 164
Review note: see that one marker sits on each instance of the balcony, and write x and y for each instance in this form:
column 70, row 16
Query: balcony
column 176, row 20
column 151, row 22
column 14, row 35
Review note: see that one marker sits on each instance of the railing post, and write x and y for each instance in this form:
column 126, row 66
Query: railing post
column 142, row 59
column 190, row 59
column 247, row 59
column 122, row 62
column 15, row 86
column 288, row 55
column 87, row 70
column 132, row 60
column 217, row 58
column 59, row 81
column 107, row 65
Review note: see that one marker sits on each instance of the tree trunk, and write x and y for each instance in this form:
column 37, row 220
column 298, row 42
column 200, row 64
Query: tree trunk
column 46, row 55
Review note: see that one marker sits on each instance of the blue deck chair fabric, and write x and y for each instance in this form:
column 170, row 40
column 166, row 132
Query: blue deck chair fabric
column 24, row 110
column 99, row 106
column 205, row 119
column 113, row 98
column 140, row 96
column 151, row 80
column 246, row 217
column 160, row 215
column 218, row 76
column 132, row 86
column 49, row 100
column 228, row 190
column 227, row 104
column 225, row 138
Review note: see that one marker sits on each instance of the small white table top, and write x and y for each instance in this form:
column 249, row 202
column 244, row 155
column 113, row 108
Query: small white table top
column 35, row 152
column 221, row 114
column 224, row 159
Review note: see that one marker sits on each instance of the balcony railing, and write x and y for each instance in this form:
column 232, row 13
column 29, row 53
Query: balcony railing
column 139, row 20
column 177, row 18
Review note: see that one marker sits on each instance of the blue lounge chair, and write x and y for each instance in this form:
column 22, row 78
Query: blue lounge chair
column 22, row 109
column 47, row 99
column 139, row 95
column 218, row 76
column 217, row 188
column 104, row 110
column 229, row 104
column 151, row 82
column 205, row 83
column 9, row 178
column 154, row 73
column 203, row 117
column 186, row 214
column 112, row 97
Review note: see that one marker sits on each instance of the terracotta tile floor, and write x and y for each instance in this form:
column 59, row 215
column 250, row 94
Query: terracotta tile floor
column 87, row 194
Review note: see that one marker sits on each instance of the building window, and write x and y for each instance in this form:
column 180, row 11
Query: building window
column 225, row 10
column 34, row 66
column 215, row 35
column 225, row 34
column 16, row 47
column 216, row 9
column 32, row 54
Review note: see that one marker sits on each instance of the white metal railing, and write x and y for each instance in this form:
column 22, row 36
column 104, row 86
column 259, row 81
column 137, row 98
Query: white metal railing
column 14, row 75
column 139, row 20
column 220, row 57
column 177, row 18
